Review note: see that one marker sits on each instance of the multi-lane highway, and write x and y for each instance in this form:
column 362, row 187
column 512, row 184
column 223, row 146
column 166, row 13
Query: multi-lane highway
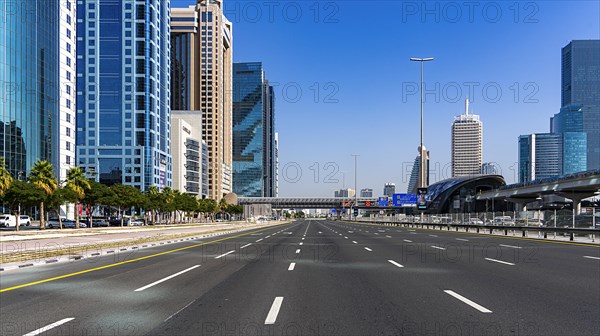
column 315, row 278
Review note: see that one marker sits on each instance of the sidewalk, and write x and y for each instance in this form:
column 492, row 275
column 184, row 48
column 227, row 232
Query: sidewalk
column 45, row 247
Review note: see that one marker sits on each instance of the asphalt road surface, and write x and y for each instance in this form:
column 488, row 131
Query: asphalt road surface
column 315, row 278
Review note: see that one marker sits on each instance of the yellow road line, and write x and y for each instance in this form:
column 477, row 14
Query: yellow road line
column 29, row 284
column 499, row 236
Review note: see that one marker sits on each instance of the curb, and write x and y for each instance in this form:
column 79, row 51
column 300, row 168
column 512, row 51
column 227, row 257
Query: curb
column 72, row 258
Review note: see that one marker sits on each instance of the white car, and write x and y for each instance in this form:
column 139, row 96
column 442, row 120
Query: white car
column 475, row 221
column 24, row 220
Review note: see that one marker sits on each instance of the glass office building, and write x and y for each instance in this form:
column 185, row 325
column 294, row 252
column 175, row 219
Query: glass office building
column 545, row 155
column 581, row 91
column 29, row 78
column 123, row 91
column 253, row 132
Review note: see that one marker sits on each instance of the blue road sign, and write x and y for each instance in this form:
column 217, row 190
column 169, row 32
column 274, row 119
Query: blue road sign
column 382, row 201
column 333, row 211
column 404, row 199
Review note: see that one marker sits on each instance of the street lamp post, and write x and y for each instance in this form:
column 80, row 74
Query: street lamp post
column 355, row 178
column 422, row 169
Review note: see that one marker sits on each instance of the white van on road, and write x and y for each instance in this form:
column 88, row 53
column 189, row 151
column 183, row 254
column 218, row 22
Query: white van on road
column 8, row 220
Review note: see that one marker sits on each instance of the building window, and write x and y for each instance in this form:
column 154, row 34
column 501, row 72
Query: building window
column 68, row 33
column 69, row 19
column 68, row 146
column 69, row 47
column 68, row 117
column 68, row 131
column 68, row 160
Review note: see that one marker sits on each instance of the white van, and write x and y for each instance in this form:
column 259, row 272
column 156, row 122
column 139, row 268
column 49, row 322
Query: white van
column 8, row 220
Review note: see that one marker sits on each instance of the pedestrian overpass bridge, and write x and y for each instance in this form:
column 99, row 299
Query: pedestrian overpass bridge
column 308, row 202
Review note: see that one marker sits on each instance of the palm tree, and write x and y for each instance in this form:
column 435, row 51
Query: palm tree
column 42, row 177
column 153, row 201
column 5, row 182
column 78, row 184
column 5, row 178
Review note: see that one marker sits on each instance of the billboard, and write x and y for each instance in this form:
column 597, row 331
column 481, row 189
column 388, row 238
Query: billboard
column 422, row 198
column 405, row 200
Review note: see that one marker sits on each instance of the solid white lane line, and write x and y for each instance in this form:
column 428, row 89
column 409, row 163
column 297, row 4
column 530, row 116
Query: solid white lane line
column 298, row 251
column 511, row 246
column 165, row 279
column 245, row 245
column 439, row 248
column 292, row 265
column 368, row 249
column 49, row 326
column 499, row 261
column 590, row 257
column 461, row 239
column 259, row 240
column 467, row 301
column 272, row 316
column 301, row 243
column 354, row 241
column 408, row 241
column 395, row 263
column 224, row 254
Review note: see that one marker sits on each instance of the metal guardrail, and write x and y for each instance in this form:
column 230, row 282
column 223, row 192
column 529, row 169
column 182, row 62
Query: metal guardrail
column 506, row 228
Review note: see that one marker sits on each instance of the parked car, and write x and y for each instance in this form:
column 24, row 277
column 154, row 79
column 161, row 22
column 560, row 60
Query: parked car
column 135, row 222
column 7, row 220
column 100, row 223
column 503, row 220
column 475, row 221
column 54, row 224
column 24, row 220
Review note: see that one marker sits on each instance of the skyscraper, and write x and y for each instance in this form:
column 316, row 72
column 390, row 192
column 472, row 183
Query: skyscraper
column 367, row 193
column 467, row 144
column 389, row 189
column 254, row 157
column 580, row 91
column 414, row 174
column 190, row 153
column 201, row 79
column 123, row 94
column 37, row 108
column 542, row 155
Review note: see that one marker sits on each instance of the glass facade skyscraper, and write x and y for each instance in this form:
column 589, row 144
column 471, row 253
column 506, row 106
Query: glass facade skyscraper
column 254, row 157
column 580, row 91
column 544, row 155
column 123, row 91
column 29, row 77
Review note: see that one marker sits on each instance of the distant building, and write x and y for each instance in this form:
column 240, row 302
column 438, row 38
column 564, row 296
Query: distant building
column 367, row 193
column 201, row 80
column 580, row 93
column 413, row 182
column 190, row 153
column 389, row 189
column 489, row 168
column 254, row 153
column 345, row 193
column 542, row 155
column 467, row 144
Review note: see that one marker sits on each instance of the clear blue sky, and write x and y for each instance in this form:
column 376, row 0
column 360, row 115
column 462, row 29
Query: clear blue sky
column 350, row 61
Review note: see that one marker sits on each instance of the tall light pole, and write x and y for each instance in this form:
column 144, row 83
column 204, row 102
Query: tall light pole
column 355, row 189
column 422, row 170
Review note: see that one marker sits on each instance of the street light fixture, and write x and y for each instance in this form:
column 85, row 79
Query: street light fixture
column 355, row 189
column 422, row 170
